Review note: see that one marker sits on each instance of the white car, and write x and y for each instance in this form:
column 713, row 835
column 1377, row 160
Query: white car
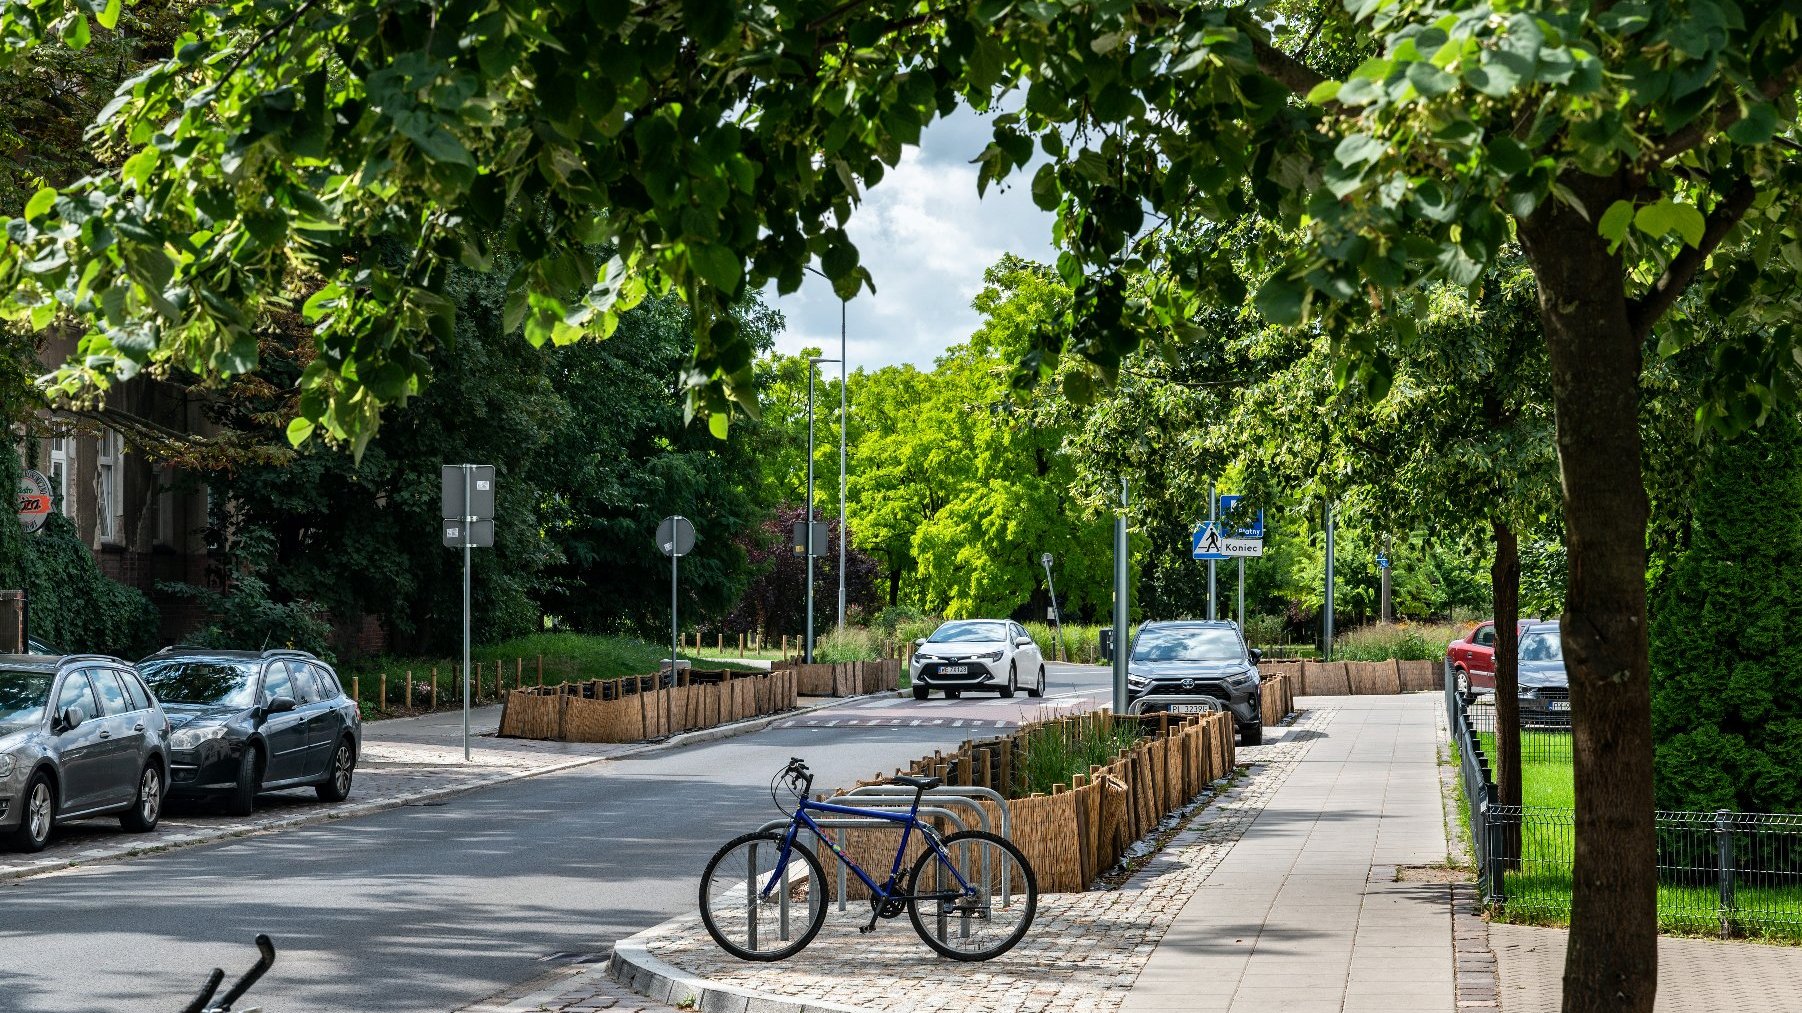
column 982, row 654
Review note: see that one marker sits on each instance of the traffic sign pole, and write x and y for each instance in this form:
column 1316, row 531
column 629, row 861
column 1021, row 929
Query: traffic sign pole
column 1241, row 595
column 468, row 524
column 1213, row 517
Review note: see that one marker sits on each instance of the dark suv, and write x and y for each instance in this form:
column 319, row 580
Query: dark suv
column 1192, row 667
column 250, row 721
column 80, row 736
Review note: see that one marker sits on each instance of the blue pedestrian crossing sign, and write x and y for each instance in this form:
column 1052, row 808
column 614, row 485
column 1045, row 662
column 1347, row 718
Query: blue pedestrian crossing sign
column 1209, row 544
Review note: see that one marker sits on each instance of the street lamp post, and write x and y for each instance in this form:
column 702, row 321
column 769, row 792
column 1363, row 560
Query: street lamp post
column 1057, row 616
column 807, row 527
column 843, row 429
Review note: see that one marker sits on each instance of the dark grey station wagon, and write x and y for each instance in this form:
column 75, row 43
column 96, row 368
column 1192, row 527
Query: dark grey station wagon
column 80, row 736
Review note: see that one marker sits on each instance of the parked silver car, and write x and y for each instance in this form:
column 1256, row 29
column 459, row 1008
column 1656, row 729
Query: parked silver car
column 80, row 736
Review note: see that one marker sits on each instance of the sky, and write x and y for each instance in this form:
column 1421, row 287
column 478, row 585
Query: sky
column 926, row 239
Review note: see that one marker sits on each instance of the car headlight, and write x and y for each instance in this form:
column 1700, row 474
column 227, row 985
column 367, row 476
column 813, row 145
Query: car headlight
column 7, row 765
column 1137, row 683
column 1249, row 677
column 991, row 656
column 188, row 738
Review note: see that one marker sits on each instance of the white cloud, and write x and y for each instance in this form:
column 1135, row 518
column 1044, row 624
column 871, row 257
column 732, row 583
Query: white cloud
column 926, row 238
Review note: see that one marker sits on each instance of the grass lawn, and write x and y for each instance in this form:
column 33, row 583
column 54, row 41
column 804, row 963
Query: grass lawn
column 1538, row 893
column 567, row 657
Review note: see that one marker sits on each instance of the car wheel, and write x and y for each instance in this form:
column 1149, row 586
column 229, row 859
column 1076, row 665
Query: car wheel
column 147, row 808
column 953, row 694
column 243, row 799
column 1251, row 735
column 921, row 692
column 1013, row 681
column 336, row 786
column 1038, row 690
column 37, row 816
column 1463, row 679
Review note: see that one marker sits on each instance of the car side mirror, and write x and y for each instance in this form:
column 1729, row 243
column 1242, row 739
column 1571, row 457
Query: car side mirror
column 279, row 704
column 919, row 641
column 69, row 720
column 1023, row 642
column 1256, row 655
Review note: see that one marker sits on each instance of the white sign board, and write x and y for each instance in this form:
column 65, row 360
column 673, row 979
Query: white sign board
column 1212, row 543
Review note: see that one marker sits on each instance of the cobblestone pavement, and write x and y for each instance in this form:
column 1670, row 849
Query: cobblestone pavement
column 1083, row 953
column 404, row 760
column 1694, row 975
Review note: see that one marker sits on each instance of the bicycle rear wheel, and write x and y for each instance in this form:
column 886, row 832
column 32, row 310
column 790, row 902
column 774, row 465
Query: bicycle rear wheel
column 747, row 916
column 983, row 916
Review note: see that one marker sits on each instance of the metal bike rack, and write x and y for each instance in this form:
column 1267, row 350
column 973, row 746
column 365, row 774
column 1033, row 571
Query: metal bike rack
column 841, row 823
column 965, row 795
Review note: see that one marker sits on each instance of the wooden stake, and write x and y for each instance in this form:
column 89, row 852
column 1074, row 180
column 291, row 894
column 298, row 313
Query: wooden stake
column 519, row 673
column 409, row 689
column 541, row 670
column 434, row 687
column 356, row 695
column 384, row 704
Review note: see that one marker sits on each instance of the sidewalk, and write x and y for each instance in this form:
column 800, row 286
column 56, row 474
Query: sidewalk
column 1305, row 913
column 1694, row 975
column 1282, row 891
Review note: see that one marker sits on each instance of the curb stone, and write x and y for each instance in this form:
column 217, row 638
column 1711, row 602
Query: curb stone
column 176, row 842
column 633, row 966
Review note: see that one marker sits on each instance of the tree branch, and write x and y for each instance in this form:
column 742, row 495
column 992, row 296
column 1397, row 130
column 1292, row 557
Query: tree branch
column 1700, row 130
column 1646, row 310
column 1284, row 69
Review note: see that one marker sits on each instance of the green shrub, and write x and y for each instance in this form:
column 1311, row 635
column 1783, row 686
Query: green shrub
column 245, row 618
column 1402, row 641
column 909, row 630
column 890, row 618
column 852, row 643
column 75, row 607
column 1053, row 753
column 1726, row 661
column 1266, row 630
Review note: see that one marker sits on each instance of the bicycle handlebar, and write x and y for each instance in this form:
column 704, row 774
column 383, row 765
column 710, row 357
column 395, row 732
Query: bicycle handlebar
column 799, row 777
column 203, row 1002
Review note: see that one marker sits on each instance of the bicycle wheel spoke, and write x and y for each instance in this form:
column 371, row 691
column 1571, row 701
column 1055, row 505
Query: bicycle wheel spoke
column 758, row 905
column 981, row 883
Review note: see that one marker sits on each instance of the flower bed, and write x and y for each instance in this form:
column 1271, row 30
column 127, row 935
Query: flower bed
column 641, row 707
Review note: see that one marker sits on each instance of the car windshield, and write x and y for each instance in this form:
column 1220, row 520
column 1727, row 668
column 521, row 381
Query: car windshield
column 1198, row 644
column 1542, row 646
column 967, row 633
column 220, row 683
column 23, row 696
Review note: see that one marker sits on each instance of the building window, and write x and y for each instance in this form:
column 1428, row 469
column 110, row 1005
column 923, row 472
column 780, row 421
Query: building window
column 109, row 473
column 59, row 474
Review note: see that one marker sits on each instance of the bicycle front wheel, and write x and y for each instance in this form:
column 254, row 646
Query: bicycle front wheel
column 757, row 906
column 978, row 904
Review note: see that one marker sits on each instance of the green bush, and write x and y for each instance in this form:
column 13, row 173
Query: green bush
column 1052, row 753
column 1401, row 641
column 1726, row 661
column 852, row 643
column 245, row 618
column 891, row 618
column 1266, row 630
column 75, row 607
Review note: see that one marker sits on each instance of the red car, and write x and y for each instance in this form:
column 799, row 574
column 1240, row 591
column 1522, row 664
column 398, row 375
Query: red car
column 1472, row 658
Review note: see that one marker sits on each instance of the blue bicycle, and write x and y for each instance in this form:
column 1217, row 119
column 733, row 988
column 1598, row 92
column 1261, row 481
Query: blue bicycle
column 971, row 895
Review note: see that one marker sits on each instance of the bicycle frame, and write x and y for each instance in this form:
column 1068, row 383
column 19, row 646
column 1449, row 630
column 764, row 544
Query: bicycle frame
column 882, row 891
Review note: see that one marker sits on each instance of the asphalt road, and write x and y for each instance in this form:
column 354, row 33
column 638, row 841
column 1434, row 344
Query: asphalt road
column 432, row 907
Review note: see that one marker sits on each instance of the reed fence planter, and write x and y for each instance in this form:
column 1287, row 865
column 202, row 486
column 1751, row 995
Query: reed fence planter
column 1077, row 831
column 849, row 678
column 1358, row 678
column 635, row 708
column 1277, row 698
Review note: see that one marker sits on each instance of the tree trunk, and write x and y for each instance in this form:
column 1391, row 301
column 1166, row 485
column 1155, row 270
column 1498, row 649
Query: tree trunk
column 894, row 586
column 1504, row 580
column 1612, row 961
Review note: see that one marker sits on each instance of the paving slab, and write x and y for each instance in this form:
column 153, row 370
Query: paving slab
column 1694, row 975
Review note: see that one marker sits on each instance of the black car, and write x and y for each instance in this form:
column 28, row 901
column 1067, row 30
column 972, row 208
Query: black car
column 249, row 721
column 1544, row 684
column 1193, row 667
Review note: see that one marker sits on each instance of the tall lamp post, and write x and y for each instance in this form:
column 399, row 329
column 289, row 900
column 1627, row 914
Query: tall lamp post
column 843, row 429
column 812, row 361
column 1057, row 617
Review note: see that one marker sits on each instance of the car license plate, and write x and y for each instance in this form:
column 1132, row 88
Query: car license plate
column 954, row 669
column 1190, row 708
column 1557, row 705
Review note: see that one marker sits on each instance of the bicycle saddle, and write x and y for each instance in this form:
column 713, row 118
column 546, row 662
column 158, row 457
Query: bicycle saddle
column 922, row 783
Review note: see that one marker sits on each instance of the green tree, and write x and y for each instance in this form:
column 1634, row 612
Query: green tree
column 1637, row 152
column 1726, row 664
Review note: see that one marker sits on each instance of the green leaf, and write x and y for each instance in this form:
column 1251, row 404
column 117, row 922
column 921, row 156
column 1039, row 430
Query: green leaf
column 1429, row 80
column 40, row 203
column 717, row 422
column 1046, row 193
column 75, row 33
column 718, row 265
column 138, row 167
column 1324, row 92
column 299, row 431
column 108, row 16
column 1281, row 299
column 1357, row 149
column 1758, row 126
column 1615, row 220
column 1663, row 218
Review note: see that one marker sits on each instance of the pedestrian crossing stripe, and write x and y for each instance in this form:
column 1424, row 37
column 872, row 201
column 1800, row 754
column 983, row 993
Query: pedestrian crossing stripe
column 891, row 723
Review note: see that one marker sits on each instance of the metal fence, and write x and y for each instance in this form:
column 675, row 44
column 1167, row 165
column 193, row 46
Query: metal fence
column 1725, row 873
